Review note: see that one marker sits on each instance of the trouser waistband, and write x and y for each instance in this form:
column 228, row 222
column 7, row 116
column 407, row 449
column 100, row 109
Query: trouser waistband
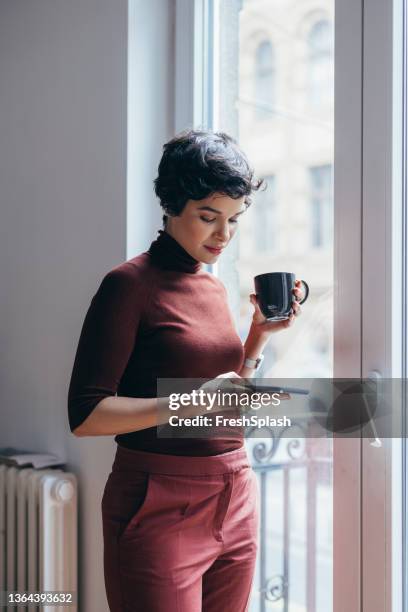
column 127, row 459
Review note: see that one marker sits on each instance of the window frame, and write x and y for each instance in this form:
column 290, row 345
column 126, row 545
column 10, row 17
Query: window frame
column 195, row 92
column 195, row 50
column 383, row 261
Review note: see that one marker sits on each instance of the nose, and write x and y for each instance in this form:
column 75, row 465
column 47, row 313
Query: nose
column 223, row 233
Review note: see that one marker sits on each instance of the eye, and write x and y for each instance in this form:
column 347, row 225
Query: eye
column 207, row 220
column 233, row 220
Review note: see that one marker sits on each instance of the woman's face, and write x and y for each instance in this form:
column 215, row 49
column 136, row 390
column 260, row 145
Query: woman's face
column 205, row 227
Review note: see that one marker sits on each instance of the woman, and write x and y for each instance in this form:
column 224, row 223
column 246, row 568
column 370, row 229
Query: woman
column 180, row 516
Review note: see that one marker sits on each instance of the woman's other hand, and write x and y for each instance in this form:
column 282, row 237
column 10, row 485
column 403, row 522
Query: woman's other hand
column 223, row 381
column 227, row 382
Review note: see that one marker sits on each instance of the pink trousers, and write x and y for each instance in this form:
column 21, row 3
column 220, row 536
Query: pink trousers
column 180, row 533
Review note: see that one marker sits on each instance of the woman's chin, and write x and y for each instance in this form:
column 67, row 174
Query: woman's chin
column 210, row 258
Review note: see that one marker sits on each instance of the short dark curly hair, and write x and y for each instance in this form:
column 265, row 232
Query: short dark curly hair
column 197, row 163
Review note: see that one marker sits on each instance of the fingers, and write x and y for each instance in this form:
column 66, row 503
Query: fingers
column 235, row 378
column 229, row 375
column 289, row 322
column 254, row 301
column 297, row 291
column 296, row 309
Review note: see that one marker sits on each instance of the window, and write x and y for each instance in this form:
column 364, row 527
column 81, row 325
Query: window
column 321, row 201
column 264, row 80
column 297, row 565
column 320, row 57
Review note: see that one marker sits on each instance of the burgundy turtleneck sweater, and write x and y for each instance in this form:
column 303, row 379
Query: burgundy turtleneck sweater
column 158, row 315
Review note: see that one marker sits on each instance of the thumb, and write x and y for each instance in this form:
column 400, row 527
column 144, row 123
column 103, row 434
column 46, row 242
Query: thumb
column 254, row 301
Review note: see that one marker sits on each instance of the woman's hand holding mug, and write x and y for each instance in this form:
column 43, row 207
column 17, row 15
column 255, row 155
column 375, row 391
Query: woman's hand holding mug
column 261, row 302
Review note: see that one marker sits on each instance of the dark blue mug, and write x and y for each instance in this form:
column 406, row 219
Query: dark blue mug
column 274, row 294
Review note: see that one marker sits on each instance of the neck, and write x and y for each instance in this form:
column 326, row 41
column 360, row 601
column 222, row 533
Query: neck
column 168, row 254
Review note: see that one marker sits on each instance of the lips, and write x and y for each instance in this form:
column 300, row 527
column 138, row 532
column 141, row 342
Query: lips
column 213, row 250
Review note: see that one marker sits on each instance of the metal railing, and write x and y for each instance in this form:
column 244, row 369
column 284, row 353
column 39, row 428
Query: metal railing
column 275, row 460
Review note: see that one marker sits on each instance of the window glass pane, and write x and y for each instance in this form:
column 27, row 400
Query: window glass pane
column 264, row 229
column 264, row 79
column 320, row 43
column 289, row 227
column 321, row 209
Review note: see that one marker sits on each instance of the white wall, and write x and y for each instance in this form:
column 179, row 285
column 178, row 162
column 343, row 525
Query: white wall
column 63, row 150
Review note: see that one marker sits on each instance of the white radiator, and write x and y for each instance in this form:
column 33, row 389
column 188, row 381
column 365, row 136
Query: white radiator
column 38, row 533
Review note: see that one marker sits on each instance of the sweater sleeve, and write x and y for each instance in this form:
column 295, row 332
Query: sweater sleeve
column 106, row 342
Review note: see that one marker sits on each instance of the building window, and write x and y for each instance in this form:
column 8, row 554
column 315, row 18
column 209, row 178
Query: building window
column 264, row 80
column 266, row 230
column 321, row 201
column 320, row 59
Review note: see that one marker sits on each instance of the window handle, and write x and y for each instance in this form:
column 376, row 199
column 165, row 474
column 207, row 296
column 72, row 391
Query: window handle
column 375, row 377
